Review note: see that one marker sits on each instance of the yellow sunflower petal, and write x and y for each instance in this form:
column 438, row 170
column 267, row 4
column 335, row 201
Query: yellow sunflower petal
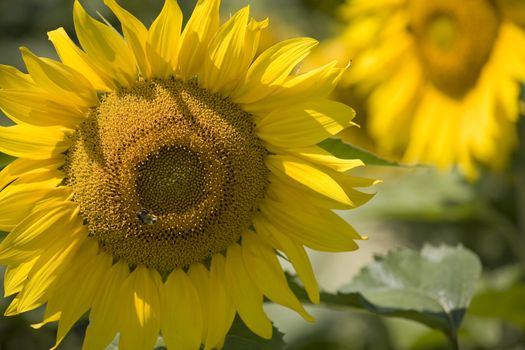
column 349, row 182
column 17, row 200
column 162, row 46
column 20, row 168
column 298, row 173
column 319, row 156
column 67, row 85
column 271, row 69
column 280, row 191
column 35, row 107
column 304, row 124
column 12, row 308
column 104, row 314
column 105, row 47
column 49, row 267
column 319, row 229
column 236, row 41
column 197, row 34
column 19, row 205
column 135, row 34
column 36, row 232
column 200, row 278
column 181, row 313
column 77, row 290
column 267, row 274
column 246, row 297
column 75, row 58
column 315, row 84
column 140, row 309
column 12, row 78
column 33, row 142
column 15, row 276
column 220, row 308
column 295, row 253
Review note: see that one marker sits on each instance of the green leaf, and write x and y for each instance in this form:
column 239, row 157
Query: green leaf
column 433, row 287
column 241, row 338
column 5, row 160
column 344, row 150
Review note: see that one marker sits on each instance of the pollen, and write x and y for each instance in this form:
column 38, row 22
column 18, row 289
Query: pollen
column 166, row 174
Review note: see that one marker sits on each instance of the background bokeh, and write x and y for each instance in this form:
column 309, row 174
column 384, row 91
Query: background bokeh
column 413, row 205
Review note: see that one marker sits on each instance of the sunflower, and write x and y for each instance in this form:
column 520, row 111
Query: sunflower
column 160, row 173
column 442, row 78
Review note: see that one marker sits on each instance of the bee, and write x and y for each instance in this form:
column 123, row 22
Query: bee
column 146, row 217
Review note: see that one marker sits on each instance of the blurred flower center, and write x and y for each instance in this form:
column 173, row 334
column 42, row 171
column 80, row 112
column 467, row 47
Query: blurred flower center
column 166, row 174
column 454, row 40
column 442, row 31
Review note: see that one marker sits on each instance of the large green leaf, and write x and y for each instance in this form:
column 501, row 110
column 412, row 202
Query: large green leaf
column 433, row 287
column 344, row 150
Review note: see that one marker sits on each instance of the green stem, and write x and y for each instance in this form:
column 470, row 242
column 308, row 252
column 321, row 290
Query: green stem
column 454, row 342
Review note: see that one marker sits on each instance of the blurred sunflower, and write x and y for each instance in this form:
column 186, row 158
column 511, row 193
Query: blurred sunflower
column 442, row 78
column 160, row 172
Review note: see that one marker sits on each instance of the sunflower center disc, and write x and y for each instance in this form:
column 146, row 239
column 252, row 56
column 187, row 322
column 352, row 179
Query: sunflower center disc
column 166, row 174
column 454, row 40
